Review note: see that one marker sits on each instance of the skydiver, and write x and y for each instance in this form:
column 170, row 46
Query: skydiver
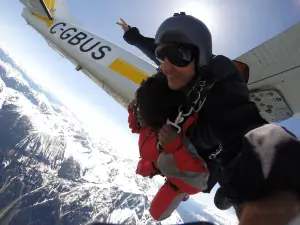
column 154, row 104
column 227, row 107
column 230, row 134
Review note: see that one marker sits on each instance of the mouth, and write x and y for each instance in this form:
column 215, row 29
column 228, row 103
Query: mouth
column 170, row 76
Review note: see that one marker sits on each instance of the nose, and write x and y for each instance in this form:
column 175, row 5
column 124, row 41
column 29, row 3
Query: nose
column 166, row 67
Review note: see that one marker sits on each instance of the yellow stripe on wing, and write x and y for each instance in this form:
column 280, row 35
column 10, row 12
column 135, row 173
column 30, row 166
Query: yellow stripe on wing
column 127, row 70
column 50, row 4
column 46, row 20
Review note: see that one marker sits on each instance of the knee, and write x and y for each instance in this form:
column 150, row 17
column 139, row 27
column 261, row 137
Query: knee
column 165, row 202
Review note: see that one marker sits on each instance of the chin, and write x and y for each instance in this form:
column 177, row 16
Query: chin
column 174, row 86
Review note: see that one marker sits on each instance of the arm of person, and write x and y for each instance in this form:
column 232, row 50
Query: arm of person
column 133, row 37
column 183, row 166
column 228, row 112
column 148, row 153
column 145, row 44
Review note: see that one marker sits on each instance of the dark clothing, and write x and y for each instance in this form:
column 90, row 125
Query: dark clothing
column 145, row 44
column 272, row 153
column 227, row 114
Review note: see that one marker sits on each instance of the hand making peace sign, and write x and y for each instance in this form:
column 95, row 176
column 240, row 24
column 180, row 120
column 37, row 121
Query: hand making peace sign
column 123, row 25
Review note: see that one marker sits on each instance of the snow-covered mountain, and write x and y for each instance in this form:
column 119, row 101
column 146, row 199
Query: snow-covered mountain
column 53, row 172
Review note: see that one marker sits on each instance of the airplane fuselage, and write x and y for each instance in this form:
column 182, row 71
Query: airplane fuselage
column 114, row 69
column 94, row 49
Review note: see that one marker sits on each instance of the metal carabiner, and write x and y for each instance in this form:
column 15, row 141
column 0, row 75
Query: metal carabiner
column 198, row 97
column 189, row 113
column 175, row 126
column 200, row 104
column 179, row 118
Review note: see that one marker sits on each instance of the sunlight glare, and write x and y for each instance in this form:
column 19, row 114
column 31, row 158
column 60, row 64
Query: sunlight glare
column 99, row 125
column 204, row 12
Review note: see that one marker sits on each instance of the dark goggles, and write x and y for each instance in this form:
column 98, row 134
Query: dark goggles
column 178, row 56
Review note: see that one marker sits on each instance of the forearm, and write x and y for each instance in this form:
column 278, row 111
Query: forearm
column 145, row 44
column 185, row 166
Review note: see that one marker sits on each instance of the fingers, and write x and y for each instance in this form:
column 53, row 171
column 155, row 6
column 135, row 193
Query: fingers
column 161, row 138
column 123, row 22
column 123, row 25
column 165, row 132
column 166, row 129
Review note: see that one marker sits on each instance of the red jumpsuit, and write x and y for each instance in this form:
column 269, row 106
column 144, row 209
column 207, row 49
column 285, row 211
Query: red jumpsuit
column 185, row 170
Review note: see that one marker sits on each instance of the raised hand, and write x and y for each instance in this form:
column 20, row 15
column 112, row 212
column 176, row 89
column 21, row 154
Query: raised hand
column 167, row 135
column 123, row 25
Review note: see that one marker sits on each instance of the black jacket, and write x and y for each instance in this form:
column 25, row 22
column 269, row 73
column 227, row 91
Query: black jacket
column 145, row 44
column 227, row 114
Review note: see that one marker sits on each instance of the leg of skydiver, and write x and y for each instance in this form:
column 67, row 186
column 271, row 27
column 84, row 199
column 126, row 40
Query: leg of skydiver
column 166, row 200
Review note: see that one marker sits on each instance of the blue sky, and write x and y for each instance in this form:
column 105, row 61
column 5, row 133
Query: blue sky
column 236, row 26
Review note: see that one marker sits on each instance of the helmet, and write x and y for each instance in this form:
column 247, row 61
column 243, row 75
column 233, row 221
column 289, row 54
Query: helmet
column 186, row 29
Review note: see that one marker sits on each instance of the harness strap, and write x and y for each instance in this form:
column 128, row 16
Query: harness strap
column 218, row 70
column 189, row 122
column 200, row 89
column 173, row 186
column 155, row 168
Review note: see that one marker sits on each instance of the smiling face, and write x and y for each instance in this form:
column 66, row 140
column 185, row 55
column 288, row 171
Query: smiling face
column 178, row 77
column 177, row 63
column 157, row 102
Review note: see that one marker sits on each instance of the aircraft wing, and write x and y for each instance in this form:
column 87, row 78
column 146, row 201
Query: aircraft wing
column 275, row 75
